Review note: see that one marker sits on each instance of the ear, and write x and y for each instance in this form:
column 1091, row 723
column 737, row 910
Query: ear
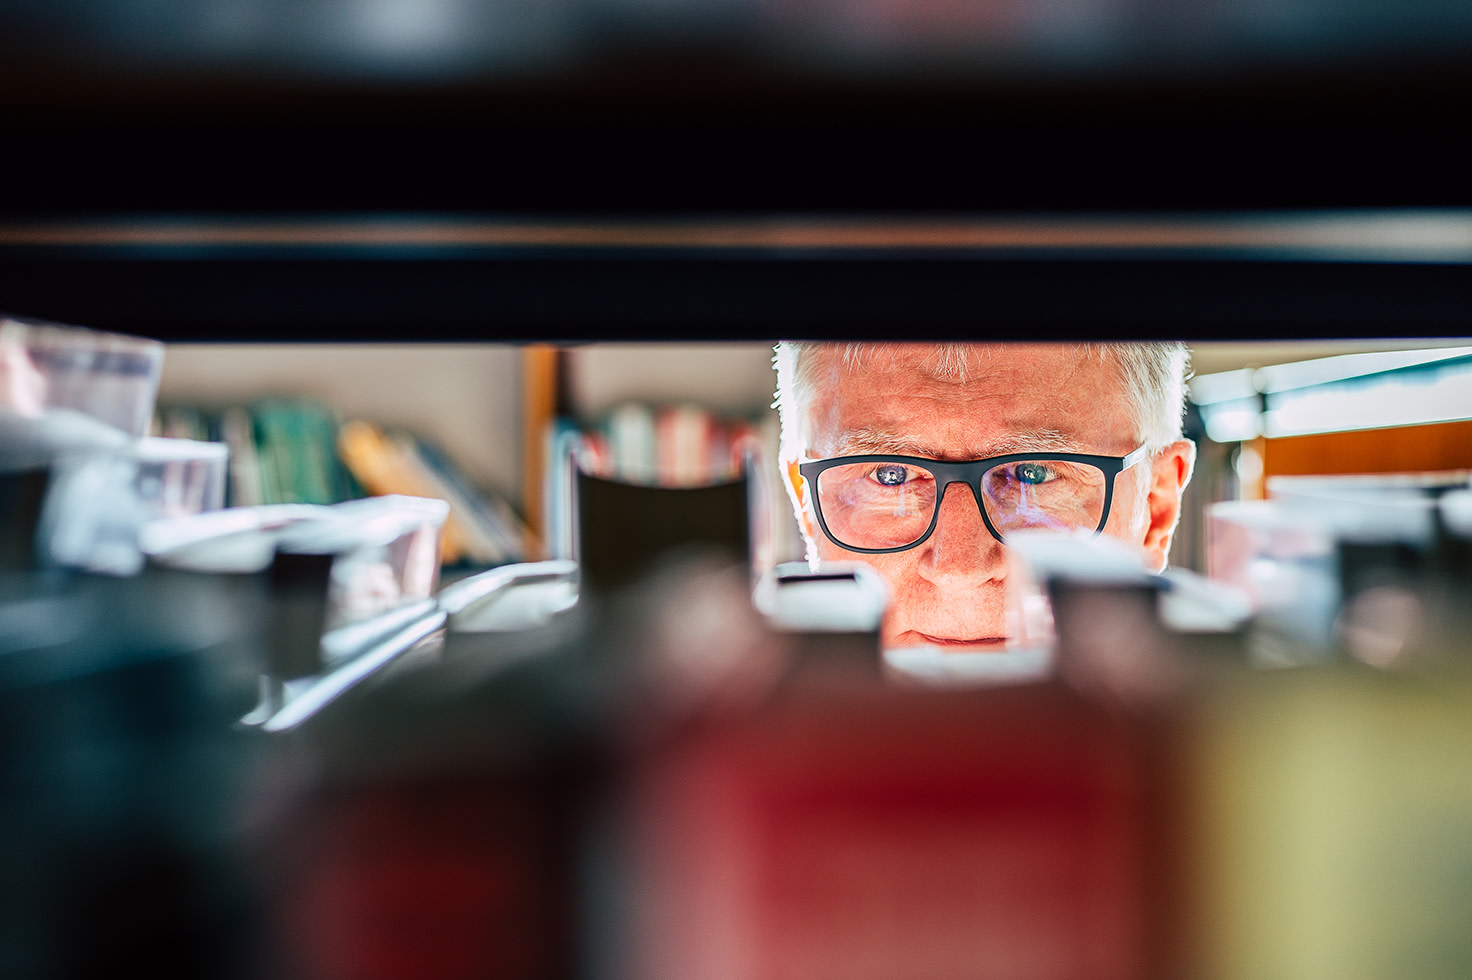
column 1171, row 470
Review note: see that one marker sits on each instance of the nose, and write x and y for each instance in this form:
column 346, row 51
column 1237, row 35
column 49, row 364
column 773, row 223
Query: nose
column 961, row 552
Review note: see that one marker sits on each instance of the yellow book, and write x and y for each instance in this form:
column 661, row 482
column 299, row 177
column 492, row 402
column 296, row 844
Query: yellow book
column 382, row 467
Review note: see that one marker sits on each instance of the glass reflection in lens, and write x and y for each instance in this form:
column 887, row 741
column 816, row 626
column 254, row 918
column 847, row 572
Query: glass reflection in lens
column 1044, row 493
column 876, row 505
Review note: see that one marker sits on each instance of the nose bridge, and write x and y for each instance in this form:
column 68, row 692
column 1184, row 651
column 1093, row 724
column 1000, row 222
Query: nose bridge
column 974, row 485
column 960, row 531
column 973, row 481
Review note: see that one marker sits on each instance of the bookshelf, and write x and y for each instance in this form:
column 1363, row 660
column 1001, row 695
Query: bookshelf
column 586, row 382
column 463, row 396
column 487, row 404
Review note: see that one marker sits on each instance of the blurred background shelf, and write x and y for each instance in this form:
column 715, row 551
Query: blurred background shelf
column 490, row 406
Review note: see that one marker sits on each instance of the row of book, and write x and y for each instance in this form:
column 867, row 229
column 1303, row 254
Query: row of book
column 671, row 445
column 299, row 451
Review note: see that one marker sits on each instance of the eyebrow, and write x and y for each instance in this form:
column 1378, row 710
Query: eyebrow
column 869, row 440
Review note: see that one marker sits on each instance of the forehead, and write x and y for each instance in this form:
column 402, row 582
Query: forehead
column 996, row 398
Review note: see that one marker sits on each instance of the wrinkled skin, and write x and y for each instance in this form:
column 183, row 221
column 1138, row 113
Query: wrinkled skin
column 951, row 590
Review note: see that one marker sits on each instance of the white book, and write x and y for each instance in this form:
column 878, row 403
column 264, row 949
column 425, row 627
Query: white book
column 631, row 442
column 238, row 432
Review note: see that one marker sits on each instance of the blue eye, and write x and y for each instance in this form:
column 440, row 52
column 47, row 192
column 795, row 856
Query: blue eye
column 890, row 475
column 1032, row 473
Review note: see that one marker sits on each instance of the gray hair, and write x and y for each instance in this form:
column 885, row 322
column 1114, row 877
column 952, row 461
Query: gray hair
column 1153, row 375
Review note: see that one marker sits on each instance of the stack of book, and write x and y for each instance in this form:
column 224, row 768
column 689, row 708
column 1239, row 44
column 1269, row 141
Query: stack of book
column 297, row 451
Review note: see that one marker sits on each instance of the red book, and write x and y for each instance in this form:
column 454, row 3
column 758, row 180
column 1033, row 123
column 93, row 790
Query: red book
column 910, row 836
column 683, row 436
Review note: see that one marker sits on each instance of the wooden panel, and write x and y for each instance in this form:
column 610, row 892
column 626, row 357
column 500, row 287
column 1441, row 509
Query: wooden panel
column 539, row 405
column 1405, row 449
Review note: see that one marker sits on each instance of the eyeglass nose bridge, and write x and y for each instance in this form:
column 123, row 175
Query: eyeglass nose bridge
column 973, row 482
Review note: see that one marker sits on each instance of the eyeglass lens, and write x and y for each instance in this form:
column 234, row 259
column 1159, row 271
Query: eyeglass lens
column 890, row 504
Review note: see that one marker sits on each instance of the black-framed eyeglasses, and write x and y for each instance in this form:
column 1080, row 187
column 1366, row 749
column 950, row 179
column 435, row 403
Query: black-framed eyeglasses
column 880, row 503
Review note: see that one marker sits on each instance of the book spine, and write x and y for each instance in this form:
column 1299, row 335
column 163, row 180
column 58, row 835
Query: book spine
column 244, row 486
column 482, row 544
column 563, row 441
column 487, row 508
column 687, row 444
column 631, row 437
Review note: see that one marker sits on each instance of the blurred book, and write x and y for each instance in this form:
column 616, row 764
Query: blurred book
column 565, row 441
column 489, row 511
column 298, row 451
column 185, row 422
column 682, row 445
column 296, row 443
column 282, row 451
column 237, row 431
column 631, row 442
column 684, row 440
column 477, row 531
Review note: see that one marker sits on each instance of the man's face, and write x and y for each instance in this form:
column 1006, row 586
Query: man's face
column 950, row 591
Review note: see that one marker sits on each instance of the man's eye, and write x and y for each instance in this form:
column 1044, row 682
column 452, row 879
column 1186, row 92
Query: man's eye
column 1032, row 473
column 890, row 475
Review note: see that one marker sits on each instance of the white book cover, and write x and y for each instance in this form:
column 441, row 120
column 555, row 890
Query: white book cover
column 631, row 441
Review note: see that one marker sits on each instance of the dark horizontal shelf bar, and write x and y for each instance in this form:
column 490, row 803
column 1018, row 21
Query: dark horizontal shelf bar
column 636, row 297
column 963, row 162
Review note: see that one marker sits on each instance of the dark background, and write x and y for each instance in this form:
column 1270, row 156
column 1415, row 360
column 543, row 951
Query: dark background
column 599, row 111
